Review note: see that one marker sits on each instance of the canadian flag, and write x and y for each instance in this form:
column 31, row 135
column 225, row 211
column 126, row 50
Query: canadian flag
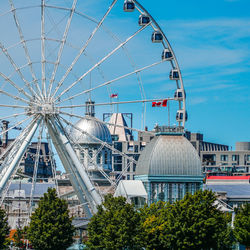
column 113, row 95
column 160, row 104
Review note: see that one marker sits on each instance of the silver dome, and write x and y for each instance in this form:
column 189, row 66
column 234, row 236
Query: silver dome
column 92, row 126
column 169, row 155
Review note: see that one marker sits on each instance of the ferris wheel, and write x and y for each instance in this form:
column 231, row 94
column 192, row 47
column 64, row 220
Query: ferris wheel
column 57, row 57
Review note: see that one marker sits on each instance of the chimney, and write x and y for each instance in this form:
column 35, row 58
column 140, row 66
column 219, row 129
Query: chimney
column 5, row 134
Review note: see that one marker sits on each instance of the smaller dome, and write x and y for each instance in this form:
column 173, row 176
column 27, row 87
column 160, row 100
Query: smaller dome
column 92, row 126
column 168, row 155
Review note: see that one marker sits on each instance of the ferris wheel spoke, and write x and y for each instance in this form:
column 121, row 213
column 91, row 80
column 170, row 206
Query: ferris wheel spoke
column 110, row 81
column 17, row 69
column 23, row 42
column 13, row 96
column 43, row 48
column 15, row 125
column 36, row 165
column 100, row 62
column 11, row 116
column 84, row 47
column 13, row 106
column 21, row 90
column 63, row 41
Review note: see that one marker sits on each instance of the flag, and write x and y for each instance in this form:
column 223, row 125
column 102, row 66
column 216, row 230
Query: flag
column 164, row 103
column 113, row 95
column 160, row 104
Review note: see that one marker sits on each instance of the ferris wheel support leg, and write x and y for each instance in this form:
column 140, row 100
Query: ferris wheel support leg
column 72, row 176
column 18, row 155
column 88, row 188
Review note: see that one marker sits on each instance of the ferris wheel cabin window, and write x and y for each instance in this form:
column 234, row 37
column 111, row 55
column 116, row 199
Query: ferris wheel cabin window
column 128, row 6
column 143, row 20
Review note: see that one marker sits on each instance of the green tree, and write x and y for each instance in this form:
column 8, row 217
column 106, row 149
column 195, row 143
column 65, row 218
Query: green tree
column 114, row 226
column 192, row 223
column 50, row 226
column 4, row 229
column 242, row 225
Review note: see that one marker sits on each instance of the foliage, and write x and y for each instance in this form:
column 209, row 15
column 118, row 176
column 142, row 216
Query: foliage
column 242, row 225
column 192, row 223
column 114, row 226
column 18, row 238
column 4, row 229
column 50, row 226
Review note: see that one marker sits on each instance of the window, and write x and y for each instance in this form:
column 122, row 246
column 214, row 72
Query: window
column 118, row 146
column 134, row 167
column 99, row 158
column 235, row 157
column 224, row 157
column 105, row 157
column 248, row 157
column 115, row 137
column 82, row 157
column 90, row 153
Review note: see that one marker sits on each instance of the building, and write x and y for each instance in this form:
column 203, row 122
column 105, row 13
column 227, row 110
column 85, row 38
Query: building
column 90, row 148
column 232, row 190
column 216, row 158
column 26, row 167
column 18, row 200
column 169, row 167
column 231, row 162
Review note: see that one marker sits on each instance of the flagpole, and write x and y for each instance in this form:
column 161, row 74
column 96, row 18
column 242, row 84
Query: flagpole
column 117, row 104
column 168, row 114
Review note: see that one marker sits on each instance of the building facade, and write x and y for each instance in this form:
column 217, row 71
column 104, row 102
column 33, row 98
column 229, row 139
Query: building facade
column 26, row 167
column 169, row 167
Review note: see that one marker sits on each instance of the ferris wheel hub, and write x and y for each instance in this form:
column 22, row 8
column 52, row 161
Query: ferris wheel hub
column 43, row 109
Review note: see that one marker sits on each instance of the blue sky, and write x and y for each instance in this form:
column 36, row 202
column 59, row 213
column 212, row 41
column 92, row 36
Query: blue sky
column 211, row 41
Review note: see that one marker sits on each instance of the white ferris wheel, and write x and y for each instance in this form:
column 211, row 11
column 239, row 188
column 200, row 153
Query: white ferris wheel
column 58, row 56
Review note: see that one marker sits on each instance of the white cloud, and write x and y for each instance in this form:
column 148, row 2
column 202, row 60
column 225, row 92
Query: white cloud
column 210, row 42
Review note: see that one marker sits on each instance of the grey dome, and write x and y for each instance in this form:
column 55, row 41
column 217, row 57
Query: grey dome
column 169, row 155
column 92, row 126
